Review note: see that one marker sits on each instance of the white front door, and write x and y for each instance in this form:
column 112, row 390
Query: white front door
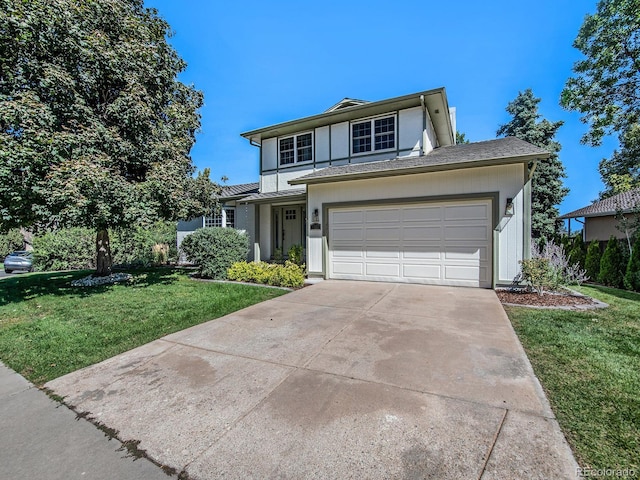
column 445, row 243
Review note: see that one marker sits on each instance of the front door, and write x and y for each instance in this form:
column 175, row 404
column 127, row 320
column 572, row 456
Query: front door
column 291, row 227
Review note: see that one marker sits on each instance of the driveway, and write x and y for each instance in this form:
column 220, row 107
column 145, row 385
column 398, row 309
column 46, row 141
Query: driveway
column 337, row 380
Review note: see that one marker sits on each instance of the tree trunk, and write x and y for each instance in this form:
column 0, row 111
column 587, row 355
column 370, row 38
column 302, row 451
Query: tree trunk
column 103, row 254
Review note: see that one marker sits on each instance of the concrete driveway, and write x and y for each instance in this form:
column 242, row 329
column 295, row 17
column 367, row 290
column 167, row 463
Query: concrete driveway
column 337, row 380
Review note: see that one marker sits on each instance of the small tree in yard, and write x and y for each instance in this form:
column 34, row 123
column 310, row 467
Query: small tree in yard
column 612, row 265
column 592, row 261
column 577, row 252
column 632, row 277
column 95, row 128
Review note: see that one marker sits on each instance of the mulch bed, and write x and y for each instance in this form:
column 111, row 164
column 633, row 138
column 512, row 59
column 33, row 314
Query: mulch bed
column 548, row 300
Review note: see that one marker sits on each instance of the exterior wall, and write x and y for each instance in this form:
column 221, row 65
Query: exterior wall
column 332, row 146
column 601, row 228
column 264, row 213
column 245, row 220
column 507, row 181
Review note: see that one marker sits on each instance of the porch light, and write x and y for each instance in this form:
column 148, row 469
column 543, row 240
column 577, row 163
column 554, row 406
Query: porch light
column 316, row 218
column 509, row 209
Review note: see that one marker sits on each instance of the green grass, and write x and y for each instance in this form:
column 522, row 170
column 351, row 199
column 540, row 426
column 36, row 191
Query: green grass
column 48, row 328
column 589, row 365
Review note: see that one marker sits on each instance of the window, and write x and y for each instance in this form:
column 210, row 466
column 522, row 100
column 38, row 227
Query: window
column 383, row 138
column 296, row 149
column 227, row 220
column 289, row 214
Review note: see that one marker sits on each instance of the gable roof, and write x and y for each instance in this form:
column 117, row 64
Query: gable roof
column 491, row 152
column 624, row 202
column 345, row 103
column 435, row 101
column 239, row 190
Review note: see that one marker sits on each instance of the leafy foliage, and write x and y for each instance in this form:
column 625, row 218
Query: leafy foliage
column 95, row 128
column 461, row 138
column 612, row 265
column 215, row 249
column 537, row 272
column 287, row 275
column 632, row 275
column 592, row 260
column 577, row 252
column 11, row 241
column 295, row 254
column 547, row 189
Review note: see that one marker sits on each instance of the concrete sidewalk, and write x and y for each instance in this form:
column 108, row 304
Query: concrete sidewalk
column 41, row 439
column 337, row 380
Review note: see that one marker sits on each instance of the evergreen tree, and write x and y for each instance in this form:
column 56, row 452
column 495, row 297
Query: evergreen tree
column 592, row 261
column 632, row 277
column 612, row 264
column 547, row 188
column 577, row 252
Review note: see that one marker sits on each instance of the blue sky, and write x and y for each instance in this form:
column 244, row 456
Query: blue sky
column 260, row 63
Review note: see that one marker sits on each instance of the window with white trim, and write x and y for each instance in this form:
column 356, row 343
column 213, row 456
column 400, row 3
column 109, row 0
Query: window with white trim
column 226, row 218
column 373, row 135
column 296, row 149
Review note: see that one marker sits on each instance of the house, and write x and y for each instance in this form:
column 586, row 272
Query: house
column 379, row 191
column 229, row 216
column 604, row 218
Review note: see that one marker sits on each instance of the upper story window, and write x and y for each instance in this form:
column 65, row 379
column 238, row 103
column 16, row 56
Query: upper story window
column 373, row 135
column 296, row 149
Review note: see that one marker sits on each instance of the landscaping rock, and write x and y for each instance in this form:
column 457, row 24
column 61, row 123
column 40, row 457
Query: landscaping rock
column 92, row 281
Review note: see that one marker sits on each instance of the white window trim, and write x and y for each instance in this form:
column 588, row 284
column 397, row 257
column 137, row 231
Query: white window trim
column 371, row 120
column 295, row 149
column 222, row 216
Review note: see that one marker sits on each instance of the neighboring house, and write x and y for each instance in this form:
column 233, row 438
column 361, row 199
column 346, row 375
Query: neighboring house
column 231, row 215
column 603, row 219
column 379, row 191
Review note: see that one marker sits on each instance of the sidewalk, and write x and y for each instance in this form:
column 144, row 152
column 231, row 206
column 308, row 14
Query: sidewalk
column 41, row 439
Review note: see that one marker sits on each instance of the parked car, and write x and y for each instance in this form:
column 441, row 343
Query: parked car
column 19, row 260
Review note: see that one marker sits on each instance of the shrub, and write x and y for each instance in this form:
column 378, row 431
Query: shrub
column 277, row 256
column 295, row 254
column 538, row 273
column 612, row 264
column 10, row 242
column 215, row 249
column 577, row 253
column 135, row 245
column 592, row 260
column 632, row 276
column 287, row 275
column 65, row 249
column 561, row 270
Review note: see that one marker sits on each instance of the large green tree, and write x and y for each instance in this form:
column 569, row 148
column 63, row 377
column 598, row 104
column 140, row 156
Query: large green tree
column 547, row 190
column 95, row 128
column 606, row 88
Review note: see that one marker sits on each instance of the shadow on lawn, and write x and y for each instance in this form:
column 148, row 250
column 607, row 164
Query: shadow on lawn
column 615, row 292
column 28, row 286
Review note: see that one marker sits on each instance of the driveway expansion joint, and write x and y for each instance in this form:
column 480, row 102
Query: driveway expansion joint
column 493, row 444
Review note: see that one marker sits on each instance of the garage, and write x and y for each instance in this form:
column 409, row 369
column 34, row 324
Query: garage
column 440, row 243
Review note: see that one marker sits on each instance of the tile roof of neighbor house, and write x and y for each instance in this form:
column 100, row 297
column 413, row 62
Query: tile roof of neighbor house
column 490, row 152
column 624, row 202
column 239, row 190
column 282, row 194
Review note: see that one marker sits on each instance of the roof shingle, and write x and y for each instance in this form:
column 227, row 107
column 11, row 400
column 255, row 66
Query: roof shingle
column 239, row 190
column 624, row 202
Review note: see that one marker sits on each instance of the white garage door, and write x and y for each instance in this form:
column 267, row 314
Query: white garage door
column 433, row 243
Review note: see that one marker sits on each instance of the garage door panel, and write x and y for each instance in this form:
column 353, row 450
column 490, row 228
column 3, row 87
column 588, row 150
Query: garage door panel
column 422, row 214
column 348, row 234
column 382, row 215
column 382, row 269
column 466, row 212
column 388, row 233
column 422, row 232
column 426, row 272
column 466, row 232
column 447, row 243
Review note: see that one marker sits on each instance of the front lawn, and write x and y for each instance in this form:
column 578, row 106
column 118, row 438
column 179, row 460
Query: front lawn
column 48, row 328
column 589, row 365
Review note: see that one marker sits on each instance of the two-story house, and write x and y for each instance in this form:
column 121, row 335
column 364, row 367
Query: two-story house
column 379, row 191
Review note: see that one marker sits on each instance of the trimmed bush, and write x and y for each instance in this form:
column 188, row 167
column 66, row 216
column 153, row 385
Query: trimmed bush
column 295, row 254
column 287, row 275
column 612, row 265
column 538, row 273
column 632, row 276
column 215, row 249
column 577, row 252
column 65, row 249
column 592, row 261
column 10, row 242
column 136, row 246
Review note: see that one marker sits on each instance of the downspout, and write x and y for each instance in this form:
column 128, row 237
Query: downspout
column 424, row 124
column 527, row 216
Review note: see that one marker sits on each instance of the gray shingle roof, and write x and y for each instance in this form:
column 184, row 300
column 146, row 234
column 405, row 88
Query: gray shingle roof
column 239, row 190
column 282, row 194
column 501, row 150
column 624, row 202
